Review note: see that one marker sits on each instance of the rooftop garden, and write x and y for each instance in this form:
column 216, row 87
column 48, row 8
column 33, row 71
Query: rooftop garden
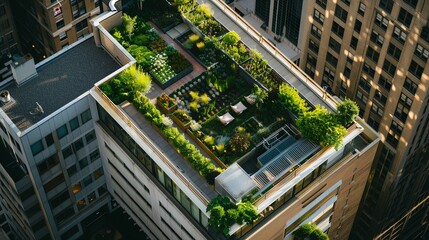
column 227, row 110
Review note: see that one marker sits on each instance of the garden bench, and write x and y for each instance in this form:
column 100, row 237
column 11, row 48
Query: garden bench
column 238, row 108
column 226, row 118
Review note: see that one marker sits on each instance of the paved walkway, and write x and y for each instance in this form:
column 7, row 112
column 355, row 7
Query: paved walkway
column 198, row 69
column 182, row 165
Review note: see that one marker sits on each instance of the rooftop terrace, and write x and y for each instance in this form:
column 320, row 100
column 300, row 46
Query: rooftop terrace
column 59, row 81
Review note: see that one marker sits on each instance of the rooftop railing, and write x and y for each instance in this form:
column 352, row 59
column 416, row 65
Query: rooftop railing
column 161, row 156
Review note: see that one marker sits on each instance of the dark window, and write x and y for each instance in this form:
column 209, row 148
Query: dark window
column 394, row 51
column 60, row 24
column 358, row 26
column 322, row 3
column 354, row 42
column 81, row 25
column 394, row 134
column 78, row 8
column 421, row 52
column 425, row 33
column 341, row 13
column 87, row 180
column 37, row 147
column 49, row 139
column 328, row 77
column 412, row 3
column 365, row 85
column 399, row 35
column 337, row 29
column 372, row 54
column 48, row 163
column 380, row 97
column 68, row 151
column 74, row 123
column 405, row 17
column 403, row 108
column 386, row 5
column 362, row 97
column 368, row 69
column 83, row 163
column 70, row 233
column 53, row 183
column 383, row 82
column 316, row 32
column 389, row 68
column 416, row 69
column 377, row 110
column 313, row 46
column 64, row 215
column 311, row 65
column 347, row 2
column 362, row 8
column 90, row 136
column 86, row 116
column 373, row 123
column 78, row 144
column 62, row 131
column 72, row 170
column 347, row 72
column 334, row 45
column 59, row 198
column 319, row 17
column 377, row 38
column 410, row 86
column 331, row 59
column 381, row 21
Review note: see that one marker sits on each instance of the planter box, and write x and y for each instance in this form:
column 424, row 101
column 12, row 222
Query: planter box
column 204, row 147
column 164, row 109
column 181, row 124
column 172, row 80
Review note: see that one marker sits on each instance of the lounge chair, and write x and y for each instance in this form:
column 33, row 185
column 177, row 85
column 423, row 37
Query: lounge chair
column 226, row 118
column 251, row 99
column 238, row 108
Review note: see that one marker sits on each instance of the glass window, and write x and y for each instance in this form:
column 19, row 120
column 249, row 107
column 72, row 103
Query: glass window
column 421, row 52
column 394, row 51
column 362, row 8
column 416, row 69
column 74, row 123
column 87, row 180
column 78, row 144
column 83, row 163
column 405, row 17
column 98, row 173
column 334, row 45
column 315, row 31
column 386, row 5
column 322, row 3
column 94, row 155
column 410, row 86
column 86, row 116
column 381, row 21
column 37, row 147
column 90, row 137
column 377, row 38
column 81, row 204
column 62, row 131
column 318, row 16
column 412, row 3
column 91, row 197
column 337, row 29
column 354, row 42
column 389, row 68
column 72, row 170
column 68, row 151
column 60, row 24
column 341, row 13
column 76, row 188
column 399, row 34
column 358, row 26
column 49, row 139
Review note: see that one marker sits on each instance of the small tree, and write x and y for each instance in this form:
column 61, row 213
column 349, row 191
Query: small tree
column 347, row 112
column 239, row 143
column 216, row 216
column 304, row 231
column 248, row 212
column 260, row 94
column 128, row 24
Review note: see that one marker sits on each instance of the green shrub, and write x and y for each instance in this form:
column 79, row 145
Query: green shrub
column 128, row 24
column 205, row 9
column 231, row 38
column 248, row 212
column 347, row 112
column 304, row 231
column 292, row 100
column 318, row 235
column 239, row 143
column 141, row 40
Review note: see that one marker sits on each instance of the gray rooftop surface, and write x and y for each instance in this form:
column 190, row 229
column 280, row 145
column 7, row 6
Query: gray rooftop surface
column 58, row 82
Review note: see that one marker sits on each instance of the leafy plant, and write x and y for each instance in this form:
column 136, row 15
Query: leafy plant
column 260, row 94
column 239, row 143
column 309, row 231
column 347, row 112
column 209, row 140
column 292, row 100
column 231, row 38
column 128, row 24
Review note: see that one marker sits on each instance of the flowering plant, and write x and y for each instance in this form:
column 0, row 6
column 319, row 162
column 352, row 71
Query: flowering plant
column 166, row 100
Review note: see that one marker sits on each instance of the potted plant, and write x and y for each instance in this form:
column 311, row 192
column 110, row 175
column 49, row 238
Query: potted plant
column 182, row 119
column 166, row 103
column 5, row 96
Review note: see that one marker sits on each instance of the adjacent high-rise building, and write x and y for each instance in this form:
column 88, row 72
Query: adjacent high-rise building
column 71, row 151
column 375, row 52
column 9, row 46
column 45, row 27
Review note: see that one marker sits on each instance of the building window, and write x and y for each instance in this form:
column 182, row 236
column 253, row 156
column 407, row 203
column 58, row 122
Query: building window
column 62, row 131
column 421, row 52
column 399, row 35
column 373, row 123
column 60, row 24
column 341, row 13
column 380, row 97
column 384, row 83
column 358, row 26
column 368, row 69
column 72, row 170
column 425, row 33
column 68, row 151
column 98, row 173
column 394, row 134
column 90, row 137
column 394, row 51
column 386, row 5
column 311, row 65
column 87, row 180
column 354, row 42
column 403, row 107
column 350, row 58
column 405, row 17
column 411, row 3
column 377, row 110
column 319, row 17
column 416, row 69
column 49, row 139
column 322, row 3
column 377, row 38
column 313, row 46
column 63, row 36
column 59, row 198
column 334, row 45
column 78, row 8
column 337, row 29
column 328, row 77
column 362, row 97
column 316, row 32
column 389, row 68
column 78, row 144
column 74, row 123
column 94, row 155
column 64, row 215
column 347, row 72
column 410, row 86
column 91, row 197
column 86, row 116
column 81, row 25
column 362, row 8
column 331, row 59
column 37, row 147
column 83, row 163
column 76, row 188
column 48, row 163
column 381, row 21
column 372, row 54
column 365, row 85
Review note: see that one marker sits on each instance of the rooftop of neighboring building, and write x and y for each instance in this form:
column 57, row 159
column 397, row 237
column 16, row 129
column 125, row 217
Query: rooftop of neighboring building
column 60, row 80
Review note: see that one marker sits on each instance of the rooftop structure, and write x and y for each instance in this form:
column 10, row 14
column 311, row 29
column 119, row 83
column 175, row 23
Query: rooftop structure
column 58, row 82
